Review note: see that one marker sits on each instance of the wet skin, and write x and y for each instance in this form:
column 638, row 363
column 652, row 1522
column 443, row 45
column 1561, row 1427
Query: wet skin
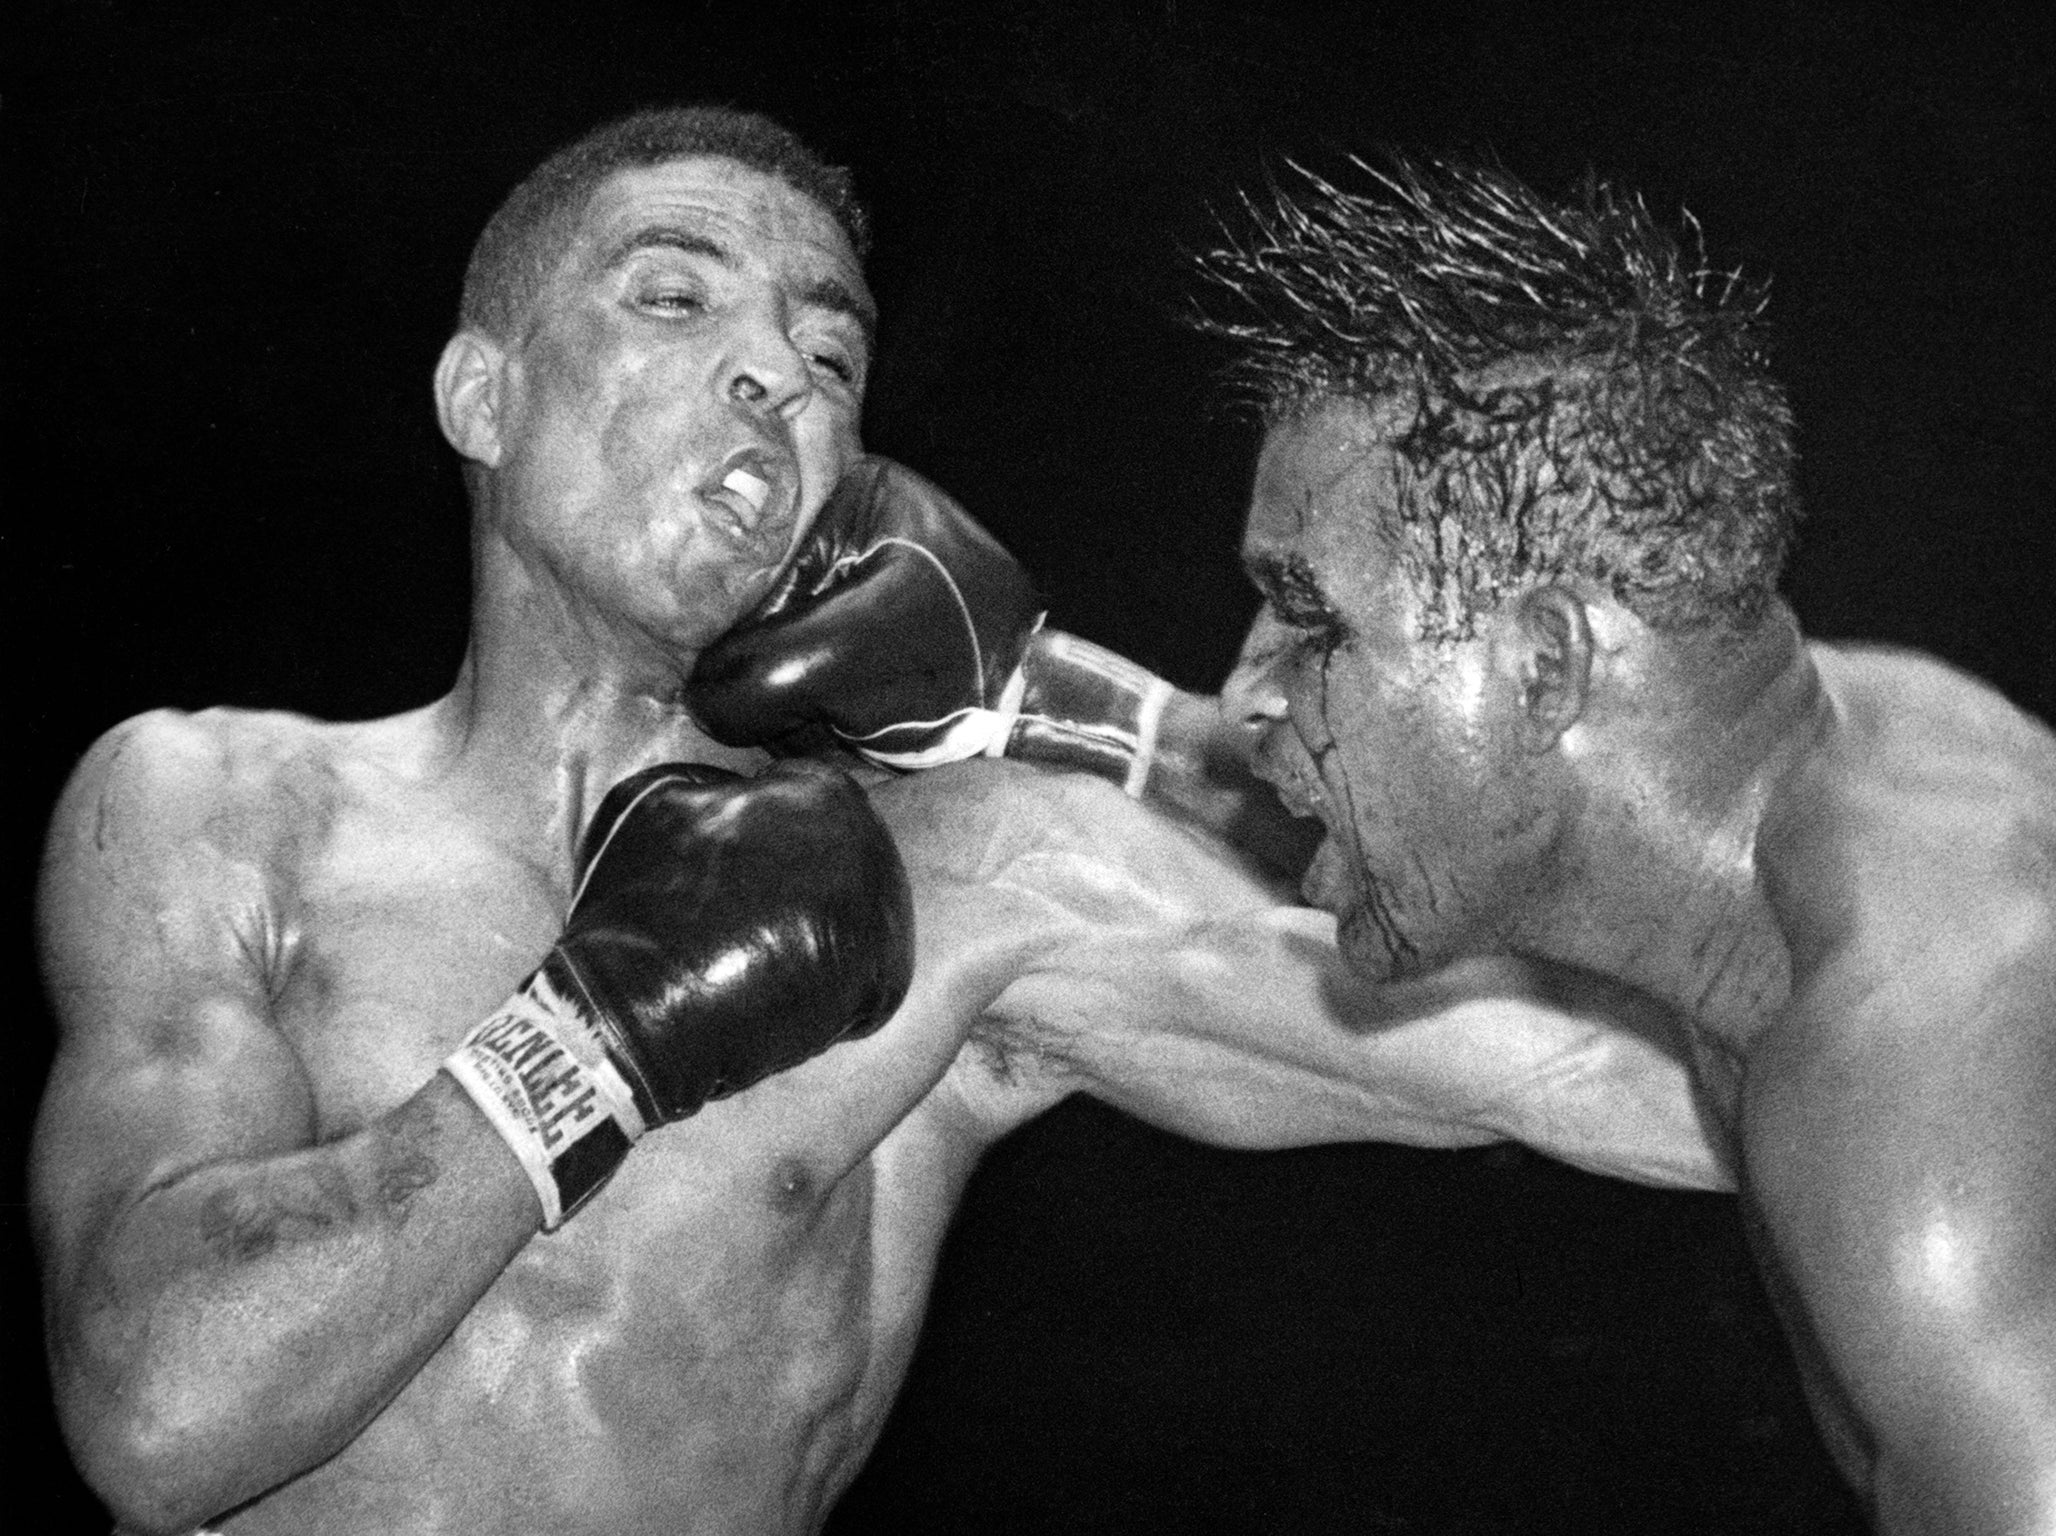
column 295, row 1279
column 1392, row 743
column 1837, row 865
column 706, row 318
column 714, row 1342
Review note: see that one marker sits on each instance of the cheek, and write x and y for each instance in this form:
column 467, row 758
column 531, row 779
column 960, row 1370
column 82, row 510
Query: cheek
column 1344, row 703
column 621, row 407
column 567, row 363
column 645, row 424
column 1401, row 754
column 1360, row 747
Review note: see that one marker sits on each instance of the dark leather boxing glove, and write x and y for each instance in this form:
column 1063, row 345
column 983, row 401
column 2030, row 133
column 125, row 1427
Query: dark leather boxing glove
column 724, row 929
column 908, row 632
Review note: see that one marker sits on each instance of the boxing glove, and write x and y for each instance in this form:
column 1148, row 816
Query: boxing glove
column 723, row 929
column 916, row 639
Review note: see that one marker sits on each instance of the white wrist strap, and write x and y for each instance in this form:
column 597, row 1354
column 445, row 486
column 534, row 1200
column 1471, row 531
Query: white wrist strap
column 967, row 733
column 1085, row 707
column 1000, row 721
column 1091, row 694
column 539, row 1073
column 1148, row 718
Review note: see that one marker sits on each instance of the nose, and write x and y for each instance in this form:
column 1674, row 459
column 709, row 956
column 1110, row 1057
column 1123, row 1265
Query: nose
column 765, row 372
column 1253, row 699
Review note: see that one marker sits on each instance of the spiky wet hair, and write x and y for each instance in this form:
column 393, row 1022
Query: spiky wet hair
column 1585, row 401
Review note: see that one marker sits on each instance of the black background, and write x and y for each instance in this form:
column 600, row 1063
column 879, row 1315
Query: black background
column 236, row 235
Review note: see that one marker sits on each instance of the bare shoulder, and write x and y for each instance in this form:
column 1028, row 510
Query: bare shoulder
column 1937, row 752
column 175, row 759
column 154, row 785
column 1070, row 837
column 1922, row 843
column 172, row 815
column 238, row 774
column 1910, row 705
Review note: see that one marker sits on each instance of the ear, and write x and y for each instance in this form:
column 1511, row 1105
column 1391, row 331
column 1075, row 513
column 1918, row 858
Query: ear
column 471, row 396
column 1549, row 657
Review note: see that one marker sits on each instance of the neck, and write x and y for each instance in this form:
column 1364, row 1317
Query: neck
column 554, row 706
column 1657, row 883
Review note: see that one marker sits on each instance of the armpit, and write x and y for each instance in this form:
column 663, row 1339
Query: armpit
column 1017, row 1048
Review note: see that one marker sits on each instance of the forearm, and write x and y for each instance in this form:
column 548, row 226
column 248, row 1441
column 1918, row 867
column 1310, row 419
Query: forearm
column 1251, row 1032
column 243, row 1321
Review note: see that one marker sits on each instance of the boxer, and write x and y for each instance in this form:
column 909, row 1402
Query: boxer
column 1518, row 520
column 494, row 1118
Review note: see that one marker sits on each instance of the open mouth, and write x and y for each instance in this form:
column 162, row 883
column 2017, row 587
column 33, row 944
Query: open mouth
column 753, row 490
column 752, row 496
column 1296, row 791
column 1328, row 881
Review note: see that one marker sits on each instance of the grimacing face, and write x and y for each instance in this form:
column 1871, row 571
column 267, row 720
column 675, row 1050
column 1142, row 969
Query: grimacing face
column 1404, row 748
column 687, row 393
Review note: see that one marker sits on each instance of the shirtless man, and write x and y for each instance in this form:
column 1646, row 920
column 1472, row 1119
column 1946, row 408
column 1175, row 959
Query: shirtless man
column 1518, row 518
column 297, row 1276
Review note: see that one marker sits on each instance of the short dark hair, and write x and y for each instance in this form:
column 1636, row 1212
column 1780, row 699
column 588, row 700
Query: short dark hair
column 1586, row 402
column 526, row 238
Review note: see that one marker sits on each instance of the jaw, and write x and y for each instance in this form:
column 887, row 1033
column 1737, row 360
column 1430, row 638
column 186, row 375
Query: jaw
column 1395, row 919
column 1335, row 879
column 1379, row 943
column 1371, row 940
column 1411, row 914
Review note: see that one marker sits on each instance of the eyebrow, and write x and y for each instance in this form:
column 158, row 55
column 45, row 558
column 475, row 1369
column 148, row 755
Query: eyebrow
column 829, row 293
column 832, row 293
column 1269, row 573
column 671, row 236
column 1287, row 578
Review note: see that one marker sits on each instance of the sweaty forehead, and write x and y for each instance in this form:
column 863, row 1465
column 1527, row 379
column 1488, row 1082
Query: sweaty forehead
column 757, row 213
column 1325, row 474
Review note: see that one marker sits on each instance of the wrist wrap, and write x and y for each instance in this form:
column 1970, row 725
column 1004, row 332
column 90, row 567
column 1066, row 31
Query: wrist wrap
column 537, row 1070
column 1086, row 707
column 1070, row 702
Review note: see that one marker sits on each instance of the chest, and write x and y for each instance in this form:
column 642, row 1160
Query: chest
column 407, row 929
column 393, row 941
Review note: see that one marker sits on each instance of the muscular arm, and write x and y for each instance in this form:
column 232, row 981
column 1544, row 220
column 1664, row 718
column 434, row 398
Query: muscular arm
column 1183, row 989
column 228, row 1302
column 1249, row 1031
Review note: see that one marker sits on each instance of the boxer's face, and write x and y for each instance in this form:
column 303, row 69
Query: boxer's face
column 686, row 395
column 1401, row 746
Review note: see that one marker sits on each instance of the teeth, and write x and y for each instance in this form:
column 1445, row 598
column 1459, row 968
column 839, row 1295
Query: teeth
column 1300, row 797
column 746, row 485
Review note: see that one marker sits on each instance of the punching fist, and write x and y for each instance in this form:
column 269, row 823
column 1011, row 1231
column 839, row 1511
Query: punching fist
column 911, row 635
column 723, row 929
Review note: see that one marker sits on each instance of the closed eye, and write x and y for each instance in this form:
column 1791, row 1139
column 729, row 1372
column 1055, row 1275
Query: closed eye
column 673, row 301
column 1323, row 629
column 834, row 363
column 1295, row 598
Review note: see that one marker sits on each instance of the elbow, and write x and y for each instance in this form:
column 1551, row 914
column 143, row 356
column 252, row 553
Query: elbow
column 143, row 1490
column 160, row 1460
